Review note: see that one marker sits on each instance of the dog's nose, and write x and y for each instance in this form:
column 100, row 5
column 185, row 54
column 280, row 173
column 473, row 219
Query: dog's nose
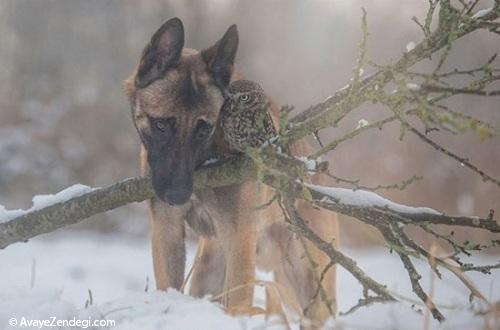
column 177, row 196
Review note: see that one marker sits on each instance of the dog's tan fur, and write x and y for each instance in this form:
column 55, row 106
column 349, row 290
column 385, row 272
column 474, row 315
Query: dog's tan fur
column 245, row 237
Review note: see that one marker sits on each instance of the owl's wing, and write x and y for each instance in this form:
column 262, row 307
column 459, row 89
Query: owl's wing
column 269, row 129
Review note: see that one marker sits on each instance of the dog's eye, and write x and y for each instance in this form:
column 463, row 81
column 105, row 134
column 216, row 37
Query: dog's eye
column 202, row 131
column 244, row 98
column 163, row 125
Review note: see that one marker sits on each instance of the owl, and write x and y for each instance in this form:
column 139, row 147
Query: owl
column 245, row 119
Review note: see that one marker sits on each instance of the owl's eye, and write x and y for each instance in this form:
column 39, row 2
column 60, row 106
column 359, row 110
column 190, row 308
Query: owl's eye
column 244, row 98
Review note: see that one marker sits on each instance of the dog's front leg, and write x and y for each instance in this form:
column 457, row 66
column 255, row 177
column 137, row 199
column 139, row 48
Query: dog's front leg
column 240, row 253
column 239, row 244
column 167, row 240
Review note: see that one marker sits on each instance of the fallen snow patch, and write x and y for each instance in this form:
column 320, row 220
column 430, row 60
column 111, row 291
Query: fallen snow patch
column 482, row 13
column 115, row 270
column 309, row 163
column 410, row 46
column 362, row 123
column 210, row 161
column 413, row 86
column 367, row 199
column 172, row 310
column 42, row 201
column 152, row 311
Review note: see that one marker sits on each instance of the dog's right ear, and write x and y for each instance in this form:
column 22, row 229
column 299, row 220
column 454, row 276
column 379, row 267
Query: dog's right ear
column 162, row 52
column 220, row 57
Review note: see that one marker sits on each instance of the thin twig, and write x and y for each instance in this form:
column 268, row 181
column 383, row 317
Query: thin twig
column 463, row 161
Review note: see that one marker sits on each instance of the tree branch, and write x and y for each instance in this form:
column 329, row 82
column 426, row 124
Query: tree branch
column 334, row 108
column 101, row 200
column 288, row 175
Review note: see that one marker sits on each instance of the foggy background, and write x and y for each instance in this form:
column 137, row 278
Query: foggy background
column 64, row 118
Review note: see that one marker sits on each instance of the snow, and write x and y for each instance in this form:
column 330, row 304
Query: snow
column 410, row 46
column 172, row 310
column 6, row 215
column 362, row 123
column 367, row 199
column 482, row 13
column 210, row 161
column 42, row 201
column 413, row 86
column 309, row 163
column 139, row 310
column 115, row 269
column 271, row 141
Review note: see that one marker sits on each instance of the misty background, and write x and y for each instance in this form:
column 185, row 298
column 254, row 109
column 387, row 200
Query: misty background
column 64, row 118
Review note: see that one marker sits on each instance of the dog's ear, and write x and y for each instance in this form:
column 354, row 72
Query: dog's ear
column 220, row 57
column 162, row 52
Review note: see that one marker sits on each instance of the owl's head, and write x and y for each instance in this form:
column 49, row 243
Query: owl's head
column 246, row 93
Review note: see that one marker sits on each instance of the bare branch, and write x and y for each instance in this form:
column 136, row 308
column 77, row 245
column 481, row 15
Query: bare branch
column 463, row 161
column 334, row 144
column 100, row 200
column 334, row 109
column 299, row 226
column 356, row 185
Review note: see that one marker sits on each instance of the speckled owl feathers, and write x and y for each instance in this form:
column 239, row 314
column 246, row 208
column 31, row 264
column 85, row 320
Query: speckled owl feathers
column 245, row 118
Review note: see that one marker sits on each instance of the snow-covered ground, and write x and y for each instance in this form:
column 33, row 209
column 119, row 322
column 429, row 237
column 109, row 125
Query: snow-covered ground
column 52, row 276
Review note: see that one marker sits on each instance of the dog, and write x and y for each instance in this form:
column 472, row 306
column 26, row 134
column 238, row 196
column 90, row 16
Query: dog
column 176, row 94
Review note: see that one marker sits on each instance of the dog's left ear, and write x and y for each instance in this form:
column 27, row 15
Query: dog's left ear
column 162, row 52
column 220, row 57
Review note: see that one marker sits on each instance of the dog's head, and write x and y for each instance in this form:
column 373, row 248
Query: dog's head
column 176, row 95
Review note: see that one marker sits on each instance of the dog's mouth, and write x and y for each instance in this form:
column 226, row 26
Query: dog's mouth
column 174, row 187
column 172, row 172
column 177, row 197
column 173, row 195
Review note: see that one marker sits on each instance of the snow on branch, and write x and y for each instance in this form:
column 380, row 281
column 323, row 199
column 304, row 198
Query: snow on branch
column 355, row 202
column 390, row 219
column 20, row 225
column 367, row 199
column 79, row 202
column 43, row 201
column 385, row 215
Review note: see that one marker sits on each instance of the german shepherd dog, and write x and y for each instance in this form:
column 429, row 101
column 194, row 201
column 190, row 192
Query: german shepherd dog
column 176, row 94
